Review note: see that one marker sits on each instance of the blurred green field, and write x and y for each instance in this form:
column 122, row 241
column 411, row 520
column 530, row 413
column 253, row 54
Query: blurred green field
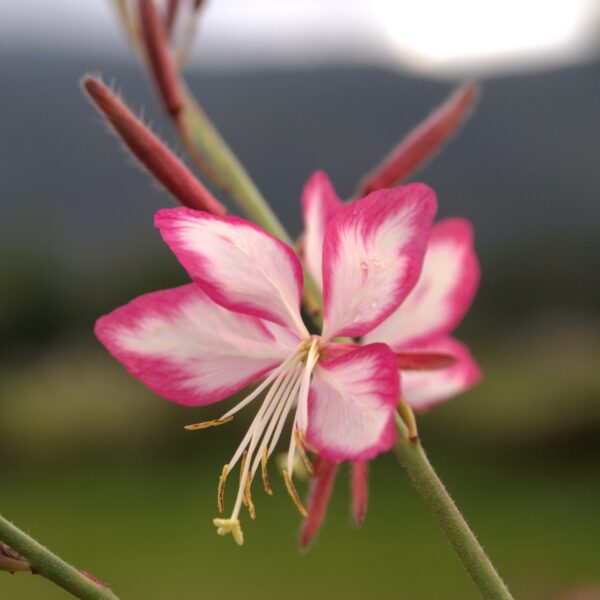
column 102, row 471
column 147, row 530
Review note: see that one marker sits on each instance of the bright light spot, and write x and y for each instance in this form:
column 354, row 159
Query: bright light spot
column 437, row 37
column 463, row 35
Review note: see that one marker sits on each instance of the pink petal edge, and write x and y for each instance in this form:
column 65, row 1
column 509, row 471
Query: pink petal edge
column 352, row 402
column 319, row 204
column 443, row 293
column 239, row 265
column 188, row 349
column 372, row 257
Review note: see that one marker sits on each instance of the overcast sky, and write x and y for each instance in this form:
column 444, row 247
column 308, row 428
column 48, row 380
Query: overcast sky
column 436, row 37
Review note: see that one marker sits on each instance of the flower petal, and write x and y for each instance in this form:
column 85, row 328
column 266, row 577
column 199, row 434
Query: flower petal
column 351, row 404
column 187, row 348
column 372, row 257
column 240, row 266
column 423, row 389
column 319, row 204
column 444, row 292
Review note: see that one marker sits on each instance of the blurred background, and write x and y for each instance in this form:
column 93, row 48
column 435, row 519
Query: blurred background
column 101, row 470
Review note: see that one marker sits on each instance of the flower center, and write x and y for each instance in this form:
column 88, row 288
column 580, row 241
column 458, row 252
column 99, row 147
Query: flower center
column 288, row 387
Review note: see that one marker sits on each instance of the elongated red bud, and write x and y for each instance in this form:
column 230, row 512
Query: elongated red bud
column 171, row 13
column 318, row 500
column 150, row 151
column 417, row 361
column 160, row 61
column 422, row 142
column 360, row 490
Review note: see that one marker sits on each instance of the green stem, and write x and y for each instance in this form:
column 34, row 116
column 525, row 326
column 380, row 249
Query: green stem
column 241, row 187
column 48, row 565
column 413, row 458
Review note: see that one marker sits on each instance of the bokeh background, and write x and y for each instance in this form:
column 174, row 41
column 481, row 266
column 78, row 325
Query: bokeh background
column 101, row 470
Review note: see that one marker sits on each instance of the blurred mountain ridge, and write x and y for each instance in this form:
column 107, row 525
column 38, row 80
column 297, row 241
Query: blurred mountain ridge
column 78, row 218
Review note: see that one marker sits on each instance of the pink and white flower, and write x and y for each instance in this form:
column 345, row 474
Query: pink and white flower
column 418, row 330
column 240, row 321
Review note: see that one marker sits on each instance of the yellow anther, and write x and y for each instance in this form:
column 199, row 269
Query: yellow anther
column 225, row 526
column 293, row 493
column 302, row 452
column 248, row 498
column 242, row 467
column 221, row 489
column 305, row 443
column 207, row 424
column 265, row 475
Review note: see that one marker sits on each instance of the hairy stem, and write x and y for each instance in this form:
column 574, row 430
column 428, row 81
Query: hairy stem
column 48, row 565
column 237, row 182
column 413, row 458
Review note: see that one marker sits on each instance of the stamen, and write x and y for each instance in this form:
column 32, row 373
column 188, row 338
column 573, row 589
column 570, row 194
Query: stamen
column 293, row 493
column 265, row 474
column 283, row 415
column 286, row 399
column 242, row 469
column 288, row 387
column 254, row 433
column 272, row 376
column 221, row 489
column 207, row 424
column 305, row 443
column 300, row 420
column 302, row 452
column 225, row 526
column 248, row 496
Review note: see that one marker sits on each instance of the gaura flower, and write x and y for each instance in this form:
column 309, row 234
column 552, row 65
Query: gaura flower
column 240, row 321
column 417, row 331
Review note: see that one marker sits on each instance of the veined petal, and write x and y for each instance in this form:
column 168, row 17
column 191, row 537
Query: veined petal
column 319, row 204
column 444, row 292
column 188, row 349
column 423, row 389
column 372, row 257
column 240, row 266
column 352, row 402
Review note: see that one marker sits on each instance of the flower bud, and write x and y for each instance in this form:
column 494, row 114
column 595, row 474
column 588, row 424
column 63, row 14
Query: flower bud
column 422, row 142
column 171, row 13
column 160, row 61
column 151, row 152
